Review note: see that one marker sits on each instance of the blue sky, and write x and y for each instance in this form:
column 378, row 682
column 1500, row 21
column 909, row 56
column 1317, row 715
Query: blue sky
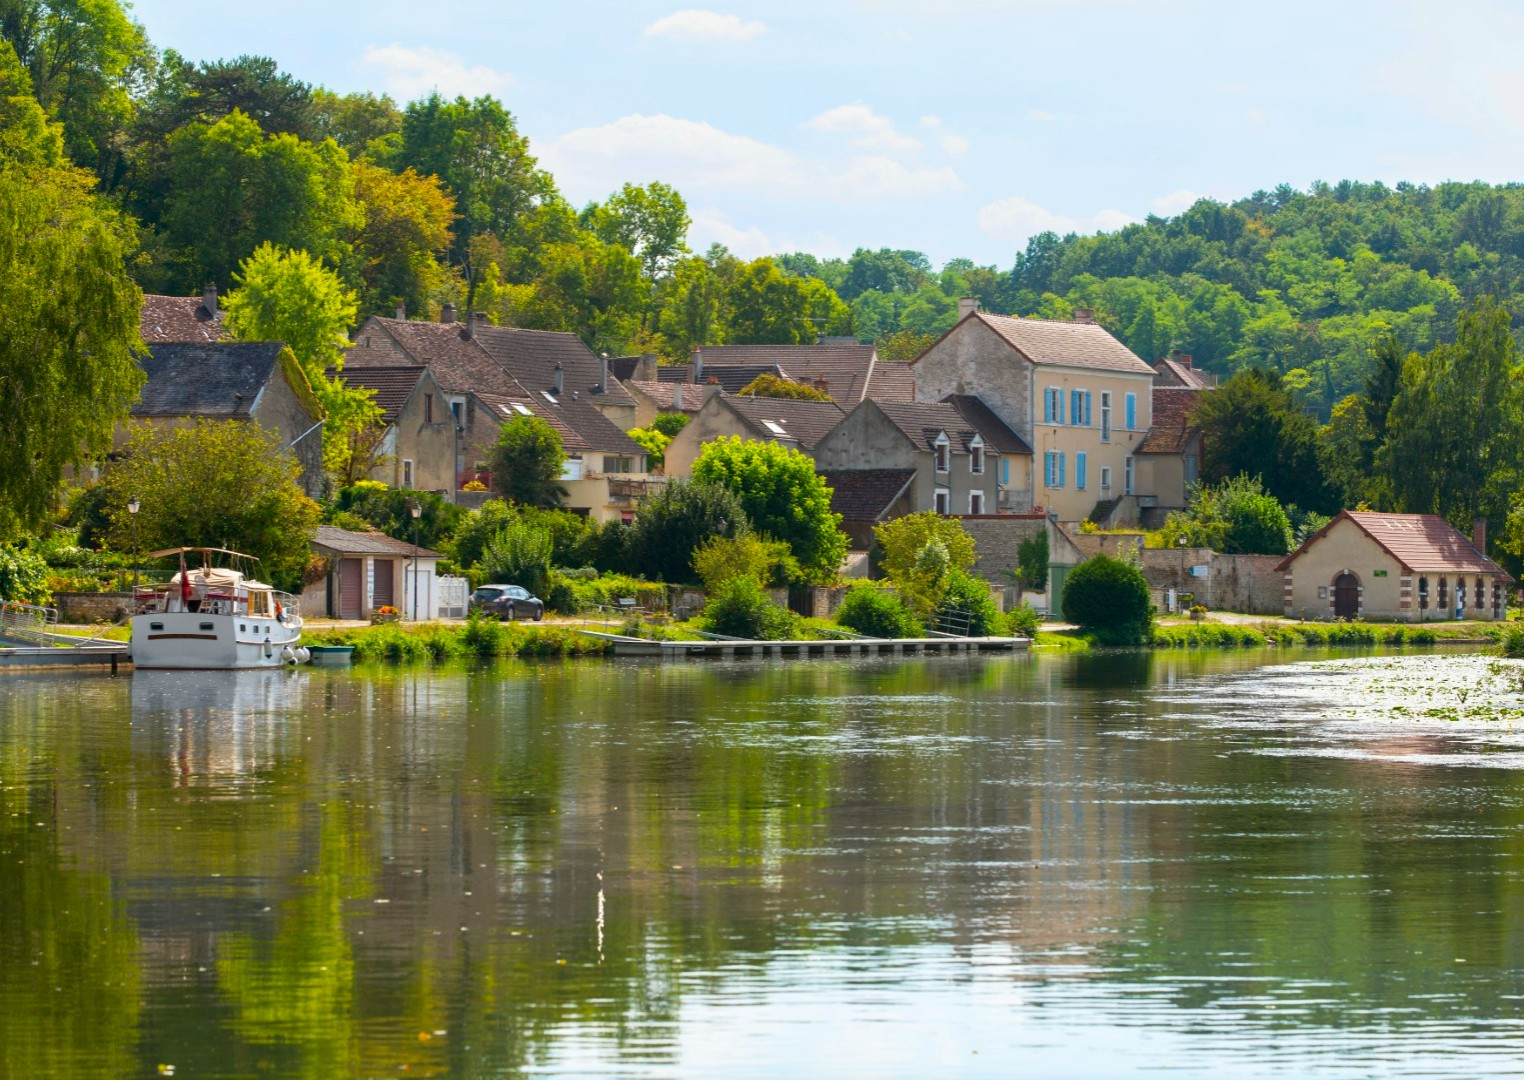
column 957, row 128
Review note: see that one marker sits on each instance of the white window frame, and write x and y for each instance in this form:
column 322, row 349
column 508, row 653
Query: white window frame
column 1080, row 416
column 1105, row 416
column 941, row 502
column 572, row 469
column 1054, row 469
column 1081, row 464
column 976, row 456
column 976, row 502
column 407, row 473
column 1053, row 405
column 1105, row 477
column 1128, row 475
column 942, row 450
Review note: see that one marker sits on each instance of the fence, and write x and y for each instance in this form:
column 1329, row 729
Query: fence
column 27, row 622
column 454, row 597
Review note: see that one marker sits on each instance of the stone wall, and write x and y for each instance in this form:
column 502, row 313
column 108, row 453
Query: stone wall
column 88, row 609
column 996, row 540
column 1248, row 583
column 1117, row 545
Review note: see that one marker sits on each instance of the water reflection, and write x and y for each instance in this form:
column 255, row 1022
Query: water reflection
column 887, row 867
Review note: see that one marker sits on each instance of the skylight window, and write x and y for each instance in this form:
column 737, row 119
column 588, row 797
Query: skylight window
column 775, row 428
column 549, row 398
column 522, row 410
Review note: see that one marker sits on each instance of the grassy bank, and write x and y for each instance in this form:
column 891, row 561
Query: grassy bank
column 1212, row 635
column 477, row 639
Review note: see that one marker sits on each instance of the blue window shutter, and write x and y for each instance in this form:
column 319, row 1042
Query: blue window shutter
column 1005, row 470
column 1132, row 412
column 1087, row 408
column 1062, row 468
column 1079, row 470
column 1076, row 413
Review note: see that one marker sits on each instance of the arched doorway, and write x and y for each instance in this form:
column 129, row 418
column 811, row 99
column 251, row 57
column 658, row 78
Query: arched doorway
column 1346, row 596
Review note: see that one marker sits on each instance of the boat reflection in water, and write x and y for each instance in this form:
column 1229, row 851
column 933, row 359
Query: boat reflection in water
column 222, row 726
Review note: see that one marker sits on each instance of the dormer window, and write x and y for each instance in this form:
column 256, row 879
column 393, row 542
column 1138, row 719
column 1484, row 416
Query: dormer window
column 944, row 453
column 976, row 456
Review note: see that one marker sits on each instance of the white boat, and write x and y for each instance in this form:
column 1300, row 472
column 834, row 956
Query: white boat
column 214, row 618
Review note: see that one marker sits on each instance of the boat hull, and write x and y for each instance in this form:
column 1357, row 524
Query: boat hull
column 198, row 641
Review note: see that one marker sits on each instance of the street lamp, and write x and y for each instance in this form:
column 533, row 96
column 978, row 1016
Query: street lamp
column 132, row 508
column 415, row 508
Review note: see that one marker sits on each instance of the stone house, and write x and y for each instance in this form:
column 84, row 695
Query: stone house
column 848, row 371
column 965, row 459
column 1168, row 460
column 259, row 382
column 1073, row 393
column 1395, row 568
column 799, row 425
column 868, row 497
column 1178, row 370
column 419, row 446
column 370, row 570
column 605, row 477
column 653, row 398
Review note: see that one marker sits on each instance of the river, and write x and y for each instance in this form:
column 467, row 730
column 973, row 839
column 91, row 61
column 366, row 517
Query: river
column 1055, row 866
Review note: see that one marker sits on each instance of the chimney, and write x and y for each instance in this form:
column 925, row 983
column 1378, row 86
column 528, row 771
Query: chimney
column 209, row 299
column 1479, row 534
column 603, row 373
column 560, row 382
column 1181, row 358
column 1084, row 315
column 967, row 305
column 447, row 314
column 698, row 364
column 677, row 397
column 401, row 311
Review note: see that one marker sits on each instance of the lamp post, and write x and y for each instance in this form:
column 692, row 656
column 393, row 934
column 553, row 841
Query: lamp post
column 132, row 508
column 415, row 508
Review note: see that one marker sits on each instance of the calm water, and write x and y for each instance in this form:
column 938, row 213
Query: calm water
column 1050, row 867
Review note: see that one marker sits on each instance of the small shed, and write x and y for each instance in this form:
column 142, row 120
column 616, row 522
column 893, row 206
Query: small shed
column 370, row 570
column 1396, row 568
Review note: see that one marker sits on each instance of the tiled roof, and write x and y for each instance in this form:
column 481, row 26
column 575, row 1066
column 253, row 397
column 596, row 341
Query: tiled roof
column 846, row 369
column 178, row 319
column 220, row 380
column 1172, row 429
column 662, row 394
column 1171, row 372
column 583, row 429
column 892, row 381
column 531, row 356
column 997, row 434
column 865, row 494
column 733, row 378
column 1070, row 344
column 1422, row 543
column 623, row 367
column 457, row 362
column 806, row 422
column 393, row 385
column 345, row 542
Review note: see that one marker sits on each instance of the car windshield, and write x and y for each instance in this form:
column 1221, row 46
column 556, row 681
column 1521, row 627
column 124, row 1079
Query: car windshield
column 487, row 594
column 517, row 593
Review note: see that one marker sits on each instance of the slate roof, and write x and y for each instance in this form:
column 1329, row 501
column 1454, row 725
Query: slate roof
column 733, row 378
column 623, row 368
column 583, row 429
column 846, row 369
column 922, row 422
column 865, row 494
column 1422, row 543
column 346, row 542
column 806, row 422
column 458, row 364
column 178, row 319
column 393, row 385
column 1069, row 344
column 1172, row 428
column 662, row 393
column 531, row 356
column 219, row 380
column 892, row 381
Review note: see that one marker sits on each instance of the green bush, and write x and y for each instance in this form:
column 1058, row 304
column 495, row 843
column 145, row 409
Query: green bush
column 23, row 576
column 740, row 608
column 570, row 594
column 876, row 612
column 386, row 509
column 519, row 555
column 963, row 595
column 481, row 638
column 1023, row 622
column 1109, row 601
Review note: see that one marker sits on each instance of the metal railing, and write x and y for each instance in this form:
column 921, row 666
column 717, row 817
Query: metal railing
column 27, row 622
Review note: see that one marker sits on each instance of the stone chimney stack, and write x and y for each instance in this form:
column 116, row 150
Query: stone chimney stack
column 1181, row 358
column 209, row 299
column 1479, row 534
column 1084, row 315
column 560, row 382
column 401, row 311
column 603, row 373
column 698, row 364
column 447, row 314
column 477, row 320
column 677, row 397
column 967, row 305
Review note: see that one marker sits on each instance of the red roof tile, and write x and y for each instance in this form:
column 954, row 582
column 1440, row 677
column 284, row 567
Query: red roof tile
column 865, row 494
column 1422, row 543
column 1172, row 428
column 1068, row 344
column 178, row 320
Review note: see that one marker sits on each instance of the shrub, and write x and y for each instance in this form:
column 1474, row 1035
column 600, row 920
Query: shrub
column 519, row 555
column 23, row 576
column 1108, row 599
column 741, row 609
column 876, row 612
column 371, row 505
column 1032, row 561
column 674, row 522
column 965, row 595
column 1023, row 621
column 721, row 558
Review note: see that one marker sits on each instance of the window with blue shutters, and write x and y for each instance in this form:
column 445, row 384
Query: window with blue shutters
column 1053, row 405
column 1132, row 412
column 1054, row 462
column 1079, row 471
column 1076, row 406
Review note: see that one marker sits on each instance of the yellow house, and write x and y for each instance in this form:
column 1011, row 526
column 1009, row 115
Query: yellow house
column 1079, row 397
column 1396, row 568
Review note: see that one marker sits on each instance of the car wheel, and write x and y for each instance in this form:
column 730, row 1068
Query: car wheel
column 512, row 613
column 539, row 613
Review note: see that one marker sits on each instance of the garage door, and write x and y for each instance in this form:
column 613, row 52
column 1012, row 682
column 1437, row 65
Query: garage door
column 382, row 591
column 352, row 589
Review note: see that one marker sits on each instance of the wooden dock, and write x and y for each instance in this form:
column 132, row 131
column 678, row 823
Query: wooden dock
column 111, row 654
column 728, row 649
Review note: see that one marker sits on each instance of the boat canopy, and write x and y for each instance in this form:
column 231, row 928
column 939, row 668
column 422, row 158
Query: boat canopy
column 214, row 577
column 209, row 550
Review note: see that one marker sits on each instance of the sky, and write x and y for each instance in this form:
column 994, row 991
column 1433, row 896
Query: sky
column 955, row 127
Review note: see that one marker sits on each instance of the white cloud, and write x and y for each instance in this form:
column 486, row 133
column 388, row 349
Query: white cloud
column 409, row 73
column 1042, row 116
column 953, row 145
column 865, row 128
column 711, row 226
column 702, row 160
column 1176, row 202
column 693, row 24
column 1018, row 219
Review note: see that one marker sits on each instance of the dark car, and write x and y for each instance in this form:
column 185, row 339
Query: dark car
column 507, row 602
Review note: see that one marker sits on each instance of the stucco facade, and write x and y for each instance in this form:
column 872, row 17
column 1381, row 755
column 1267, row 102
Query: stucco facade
column 421, row 445
column 715, row 420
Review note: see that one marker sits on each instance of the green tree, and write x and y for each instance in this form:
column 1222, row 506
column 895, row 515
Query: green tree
column 1253, row 426
column 224, row 484
column 654, row 443
column 585, row 287
column 527, row 462
column 877, row 612
column 386, row 510
column 672, row 524
column 764, row 306
column 783, row 496
column 720, row 559
column 650, row 222
column 68, row 313
column 519, row 554
column 358, row 122
column 918, row 552
column 669, row 424
column 1241, row 518
column 1109, row 601
column 286, row 295
column 404, row 231
column 1032, row 561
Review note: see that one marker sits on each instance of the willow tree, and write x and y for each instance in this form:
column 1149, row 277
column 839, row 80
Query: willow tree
column 68, row 311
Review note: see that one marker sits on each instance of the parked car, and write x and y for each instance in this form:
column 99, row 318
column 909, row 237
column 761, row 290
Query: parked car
column 507, row 602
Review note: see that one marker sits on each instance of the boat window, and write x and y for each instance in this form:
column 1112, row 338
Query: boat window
column 156, row 626
column 207, row 626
